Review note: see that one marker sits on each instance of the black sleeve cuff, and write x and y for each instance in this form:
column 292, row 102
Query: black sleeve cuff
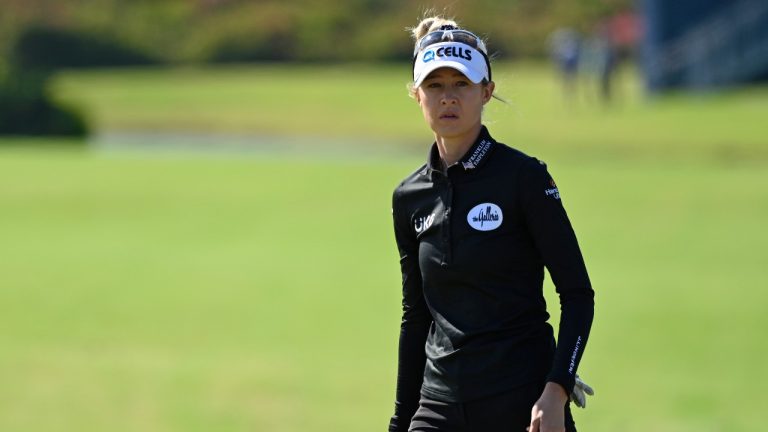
column 565, row 381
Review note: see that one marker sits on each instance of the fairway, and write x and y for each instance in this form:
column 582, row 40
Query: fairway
column 173, row 291
column 368, row 105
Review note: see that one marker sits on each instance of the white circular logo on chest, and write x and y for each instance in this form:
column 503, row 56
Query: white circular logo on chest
column 485, row 217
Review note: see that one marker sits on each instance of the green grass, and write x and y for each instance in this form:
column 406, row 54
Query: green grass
column 171, row 291
column 193, row 295
column 370, row 104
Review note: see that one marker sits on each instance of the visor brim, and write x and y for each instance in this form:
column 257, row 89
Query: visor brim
column 473, row 75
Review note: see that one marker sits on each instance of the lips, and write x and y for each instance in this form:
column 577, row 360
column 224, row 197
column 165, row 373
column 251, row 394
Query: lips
column 449, row 116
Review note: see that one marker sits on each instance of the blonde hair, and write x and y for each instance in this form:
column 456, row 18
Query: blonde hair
column 430, row 24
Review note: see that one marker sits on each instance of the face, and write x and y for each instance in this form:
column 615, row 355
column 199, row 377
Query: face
column 452, row 104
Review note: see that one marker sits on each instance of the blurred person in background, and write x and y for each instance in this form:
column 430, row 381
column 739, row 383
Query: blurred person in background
column 565, row 48
column 600, row 61
column 475, row 227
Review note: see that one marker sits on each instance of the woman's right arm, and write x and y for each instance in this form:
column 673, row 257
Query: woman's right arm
column 413, row 327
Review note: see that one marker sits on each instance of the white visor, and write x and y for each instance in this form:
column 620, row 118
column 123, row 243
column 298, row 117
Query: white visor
column 456, row 55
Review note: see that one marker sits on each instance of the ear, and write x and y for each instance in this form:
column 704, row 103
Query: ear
column 488, row 91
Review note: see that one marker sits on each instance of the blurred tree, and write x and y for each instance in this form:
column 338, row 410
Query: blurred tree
column 296, row 30
column 255, row 32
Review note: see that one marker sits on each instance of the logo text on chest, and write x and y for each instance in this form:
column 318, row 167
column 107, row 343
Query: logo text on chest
column 485, row 217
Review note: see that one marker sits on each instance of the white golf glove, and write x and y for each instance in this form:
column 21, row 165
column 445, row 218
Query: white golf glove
column 580, row 392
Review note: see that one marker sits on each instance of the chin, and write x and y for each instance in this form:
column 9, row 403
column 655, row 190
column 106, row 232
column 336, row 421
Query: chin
column 451, row 131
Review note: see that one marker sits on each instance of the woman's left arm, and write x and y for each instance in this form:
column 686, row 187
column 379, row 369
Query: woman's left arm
column 554, row 237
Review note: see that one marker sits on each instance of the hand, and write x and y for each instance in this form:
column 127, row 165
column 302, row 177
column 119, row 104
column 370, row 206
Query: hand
column 548, row 413
column 578, row 396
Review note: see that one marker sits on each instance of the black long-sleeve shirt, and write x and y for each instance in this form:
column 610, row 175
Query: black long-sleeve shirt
column 473, row 242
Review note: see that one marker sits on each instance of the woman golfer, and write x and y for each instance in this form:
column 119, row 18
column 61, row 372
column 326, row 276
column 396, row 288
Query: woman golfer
column 475, row 227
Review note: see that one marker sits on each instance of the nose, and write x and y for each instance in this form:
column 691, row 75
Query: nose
column 449, row 98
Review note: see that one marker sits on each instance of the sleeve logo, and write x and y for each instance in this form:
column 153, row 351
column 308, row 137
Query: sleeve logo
column 423, row 223
column 553, row 191
column 485, row 217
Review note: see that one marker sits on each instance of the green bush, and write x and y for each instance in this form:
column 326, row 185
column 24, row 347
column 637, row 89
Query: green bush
column 27, row 109
column 49, row 48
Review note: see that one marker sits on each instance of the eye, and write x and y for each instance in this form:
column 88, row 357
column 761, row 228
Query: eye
column 434, row 85
column 462, row 83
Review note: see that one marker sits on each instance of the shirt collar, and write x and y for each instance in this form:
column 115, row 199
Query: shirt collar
column 472, row 160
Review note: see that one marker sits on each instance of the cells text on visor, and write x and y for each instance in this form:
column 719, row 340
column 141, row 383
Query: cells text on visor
column 454, row 51
column 451, row 51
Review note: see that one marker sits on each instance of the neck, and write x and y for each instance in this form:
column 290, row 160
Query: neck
column 454, row 147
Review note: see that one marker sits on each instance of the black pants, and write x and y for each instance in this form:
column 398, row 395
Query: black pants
column 506, row 412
